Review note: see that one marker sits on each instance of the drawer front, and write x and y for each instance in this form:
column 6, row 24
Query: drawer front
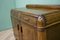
column 15, row 13
column 29, row 19
column 52, row 17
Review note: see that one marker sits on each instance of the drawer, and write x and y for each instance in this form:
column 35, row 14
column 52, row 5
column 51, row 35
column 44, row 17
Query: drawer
column 28, row 19
column 15, row 13
column 52, row 17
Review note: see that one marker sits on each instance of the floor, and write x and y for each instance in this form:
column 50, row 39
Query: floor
column 7, row 35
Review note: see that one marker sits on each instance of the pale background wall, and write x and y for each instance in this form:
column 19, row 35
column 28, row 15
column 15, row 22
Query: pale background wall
column 5, row 7
column 22, row 3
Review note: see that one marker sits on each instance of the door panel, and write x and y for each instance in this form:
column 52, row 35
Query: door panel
column 29, row 32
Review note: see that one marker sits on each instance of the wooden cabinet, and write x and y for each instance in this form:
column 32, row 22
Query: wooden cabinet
column 31, row 24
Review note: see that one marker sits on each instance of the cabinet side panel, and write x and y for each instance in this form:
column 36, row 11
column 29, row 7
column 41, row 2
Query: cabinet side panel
column 53, row 32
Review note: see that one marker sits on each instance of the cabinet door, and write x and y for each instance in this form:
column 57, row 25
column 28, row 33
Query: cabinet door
column 29, row 33
column 20, row 32
column 16, row 29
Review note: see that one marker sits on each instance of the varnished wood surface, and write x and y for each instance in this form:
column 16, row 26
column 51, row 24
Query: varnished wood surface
column 44, row 14
column 32, row 22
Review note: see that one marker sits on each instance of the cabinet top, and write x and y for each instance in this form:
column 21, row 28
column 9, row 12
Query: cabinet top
column 35, row 11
